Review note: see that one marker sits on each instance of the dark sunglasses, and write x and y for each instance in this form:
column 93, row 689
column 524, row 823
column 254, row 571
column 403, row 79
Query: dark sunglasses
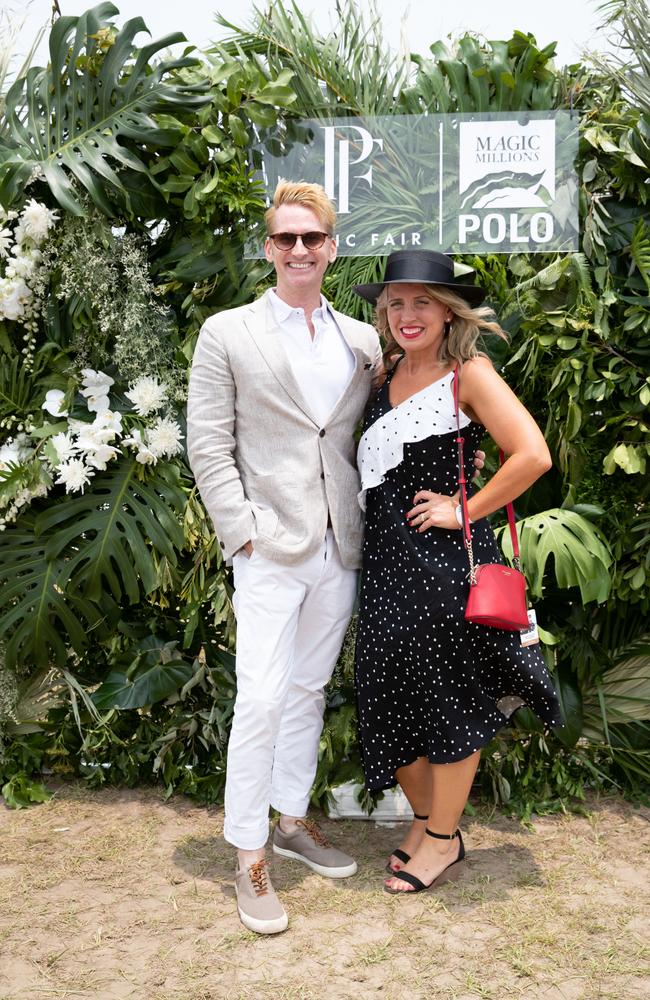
column 287, row 241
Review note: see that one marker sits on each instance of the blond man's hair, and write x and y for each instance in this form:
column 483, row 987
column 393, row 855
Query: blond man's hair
column 311, row 196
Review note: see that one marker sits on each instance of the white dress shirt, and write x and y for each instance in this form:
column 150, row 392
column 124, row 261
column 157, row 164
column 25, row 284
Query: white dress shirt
column 323, row 364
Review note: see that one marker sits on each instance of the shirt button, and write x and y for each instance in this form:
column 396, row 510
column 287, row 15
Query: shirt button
column 321, row 433
column 222, row 545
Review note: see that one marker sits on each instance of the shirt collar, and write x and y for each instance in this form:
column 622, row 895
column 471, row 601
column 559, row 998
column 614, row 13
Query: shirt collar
column 282, row 310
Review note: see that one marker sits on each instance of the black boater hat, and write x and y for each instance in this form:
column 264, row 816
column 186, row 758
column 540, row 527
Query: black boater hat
column 427, row 267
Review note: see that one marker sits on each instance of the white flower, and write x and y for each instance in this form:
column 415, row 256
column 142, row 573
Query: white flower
column 144, row 456
column 147, row 395
column 6, row 238
column 95, row 389
column 95, row 383
column 9, row 455
column 20, row 233
column 64, row 446
column 14, row 451
column 102, row 454
column 98, row 404
column 53, row 402
column 92, row 437
column 74, row 475
column 135, row 440
column 15, row 295
column 109, row 420
column 36, row 220
column 24, row 262
column 164, row 438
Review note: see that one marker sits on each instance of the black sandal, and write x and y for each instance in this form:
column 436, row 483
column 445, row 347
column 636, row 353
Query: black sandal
column 418, row 884
column 400, row 854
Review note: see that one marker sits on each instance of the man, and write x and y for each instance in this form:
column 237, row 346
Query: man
column 276, row 391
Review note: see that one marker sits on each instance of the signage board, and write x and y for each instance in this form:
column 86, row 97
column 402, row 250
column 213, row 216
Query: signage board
column 458, row 183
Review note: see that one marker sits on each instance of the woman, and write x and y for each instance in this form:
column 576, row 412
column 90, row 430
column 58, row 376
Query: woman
column 431, row 686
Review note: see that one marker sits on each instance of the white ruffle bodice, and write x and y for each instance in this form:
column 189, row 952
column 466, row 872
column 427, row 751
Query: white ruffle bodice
column 429, row 411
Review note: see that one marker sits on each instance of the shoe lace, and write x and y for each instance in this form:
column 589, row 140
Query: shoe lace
column 314, row 832
column 259, row 877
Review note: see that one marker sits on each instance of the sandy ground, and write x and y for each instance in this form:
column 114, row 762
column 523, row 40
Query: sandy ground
column 115, row 894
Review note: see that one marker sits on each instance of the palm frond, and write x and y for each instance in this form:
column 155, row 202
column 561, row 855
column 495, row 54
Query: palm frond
column 347, row 71
column 11, row 26
column 622, row 693
column 631, row 19
column 640, row 250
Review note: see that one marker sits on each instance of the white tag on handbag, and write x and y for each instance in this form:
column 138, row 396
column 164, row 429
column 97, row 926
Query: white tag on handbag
column 530, row 635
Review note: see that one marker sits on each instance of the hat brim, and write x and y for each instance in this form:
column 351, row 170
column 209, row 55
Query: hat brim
column 472, row 294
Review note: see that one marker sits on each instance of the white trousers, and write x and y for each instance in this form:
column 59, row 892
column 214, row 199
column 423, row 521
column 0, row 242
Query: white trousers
column 291, row 621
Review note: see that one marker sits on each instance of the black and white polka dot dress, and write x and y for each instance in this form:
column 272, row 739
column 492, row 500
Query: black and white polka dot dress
column 429, row 684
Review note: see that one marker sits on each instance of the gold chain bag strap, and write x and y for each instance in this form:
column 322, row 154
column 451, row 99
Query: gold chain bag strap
column 497, row 593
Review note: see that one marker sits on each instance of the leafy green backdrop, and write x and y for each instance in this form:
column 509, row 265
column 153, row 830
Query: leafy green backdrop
column 115, row 616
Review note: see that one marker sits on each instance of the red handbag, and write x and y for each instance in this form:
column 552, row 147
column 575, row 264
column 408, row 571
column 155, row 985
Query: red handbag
column 497, row 593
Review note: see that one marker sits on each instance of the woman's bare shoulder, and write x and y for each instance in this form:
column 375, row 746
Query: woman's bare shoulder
column 479, row 371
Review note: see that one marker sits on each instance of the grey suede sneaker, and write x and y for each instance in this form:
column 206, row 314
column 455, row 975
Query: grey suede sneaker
column 259, row 908
column 309, row 845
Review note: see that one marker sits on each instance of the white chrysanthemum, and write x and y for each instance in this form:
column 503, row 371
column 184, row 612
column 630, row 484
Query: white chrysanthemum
column 19, row 233
column 74, row 475
column 147, row 395
column 64, row 446
column 53, row 402
column 36, row 220
column 144, row 455
column 164, row 438
column 15, row 295
column 6, row 240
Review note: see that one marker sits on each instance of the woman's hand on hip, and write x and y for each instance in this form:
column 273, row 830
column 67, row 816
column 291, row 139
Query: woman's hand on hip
column 433, row 510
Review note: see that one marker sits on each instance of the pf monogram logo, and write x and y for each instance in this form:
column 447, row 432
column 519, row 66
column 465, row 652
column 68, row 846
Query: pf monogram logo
column 342, row 147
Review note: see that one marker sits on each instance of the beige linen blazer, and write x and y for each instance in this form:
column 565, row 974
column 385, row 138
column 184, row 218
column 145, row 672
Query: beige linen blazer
column 266, row 469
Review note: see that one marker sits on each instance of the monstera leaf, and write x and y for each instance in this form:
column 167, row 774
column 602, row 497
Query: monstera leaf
column 581, row 556
column 87, row 118
column 107, row 536
column 155, row 669
column 38, row 621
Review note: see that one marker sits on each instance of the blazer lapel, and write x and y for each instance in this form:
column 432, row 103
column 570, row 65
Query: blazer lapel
column 362, row 362
column 267, row 337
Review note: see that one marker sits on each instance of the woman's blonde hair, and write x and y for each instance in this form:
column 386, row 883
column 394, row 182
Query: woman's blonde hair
column 311, row 196
column 461, row 333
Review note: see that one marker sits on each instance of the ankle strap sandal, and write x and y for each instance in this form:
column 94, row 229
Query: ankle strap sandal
column 399, row 853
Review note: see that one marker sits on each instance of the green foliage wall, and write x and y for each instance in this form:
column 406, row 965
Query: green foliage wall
column 126, row 197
